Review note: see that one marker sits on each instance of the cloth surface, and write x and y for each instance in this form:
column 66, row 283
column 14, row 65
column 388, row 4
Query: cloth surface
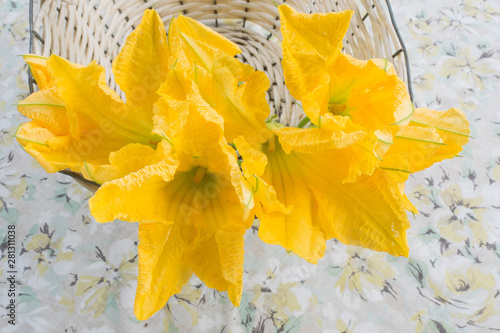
column 75, row 275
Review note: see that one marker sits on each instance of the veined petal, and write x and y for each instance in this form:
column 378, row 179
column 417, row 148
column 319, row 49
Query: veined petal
column 341, row 139
column 253, row 166
column 162, row 270
column 170, row 111
column 452, row 126
column 192, row 42
column 47, row 108
column 336, row 132
column 128, row 159
column 141, row 196
column 413, row 147
column 142, row 65
column 322, row 32
column 266, row 201
column 366, row 213
column 310, row 42
column 205, row 150
column 38, row 68
column 90, row 104
column 238, row 94
column 254, row 161
column 56, row 153
column 384, row 140
column 230, row 241
column 315, row 101
column 202, row 33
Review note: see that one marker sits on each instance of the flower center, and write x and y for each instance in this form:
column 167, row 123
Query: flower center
column 339, row 109
column 200, row 173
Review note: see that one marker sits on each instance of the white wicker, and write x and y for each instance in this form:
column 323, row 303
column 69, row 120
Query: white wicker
column 84, row 30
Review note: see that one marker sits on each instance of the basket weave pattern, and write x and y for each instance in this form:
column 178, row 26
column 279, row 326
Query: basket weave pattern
column 86, row 30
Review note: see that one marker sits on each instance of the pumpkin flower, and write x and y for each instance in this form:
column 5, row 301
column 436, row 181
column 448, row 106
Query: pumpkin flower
column 344, row 177
column 366, row 95
column 302, row 200
column 77, row 119
column 192, row 206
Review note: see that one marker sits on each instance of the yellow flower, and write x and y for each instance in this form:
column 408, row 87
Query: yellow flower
column 302, row 200
column 77, row 119
column 345, row 177
column 193, row 208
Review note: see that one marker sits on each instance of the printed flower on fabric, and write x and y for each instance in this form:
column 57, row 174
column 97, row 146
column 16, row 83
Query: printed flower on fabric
column 77, row 119
column 193, row 210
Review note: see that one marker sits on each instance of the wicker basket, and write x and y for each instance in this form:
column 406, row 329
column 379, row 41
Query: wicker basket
column 84, row 30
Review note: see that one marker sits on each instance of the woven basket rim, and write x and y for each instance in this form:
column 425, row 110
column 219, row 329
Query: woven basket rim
column 33, row 34
column 406, row 66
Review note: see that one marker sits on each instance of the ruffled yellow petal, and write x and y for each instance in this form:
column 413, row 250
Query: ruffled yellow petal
column 321, row 32
column 336, row 132
column 56, row 153
column 321, row 205
column 38, row 68
column 204, row 127
column 142, row 196
column 192, row 42
column 162, row 270
column 238, row 94
column 47, row 108
column 142, row 65
column 367, row 213
column 90, row 104
column 343, row 140
column 230, row 242
column 170, row 111
column 384, row 141
column 203, row 34
column 413, row 147
column 128, row 159
column 265, row 198
column 310, row 42
column 452, row 126
column 253, row 166
column 254, row 161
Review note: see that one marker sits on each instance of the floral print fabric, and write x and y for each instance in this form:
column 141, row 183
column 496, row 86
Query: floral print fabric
column 74, row 275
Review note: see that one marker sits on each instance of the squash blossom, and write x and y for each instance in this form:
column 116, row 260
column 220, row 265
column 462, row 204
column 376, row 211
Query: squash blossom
column 78, row 120
column 193, row 209
column 165, row 156
column 189, row 196
column 344, row 176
